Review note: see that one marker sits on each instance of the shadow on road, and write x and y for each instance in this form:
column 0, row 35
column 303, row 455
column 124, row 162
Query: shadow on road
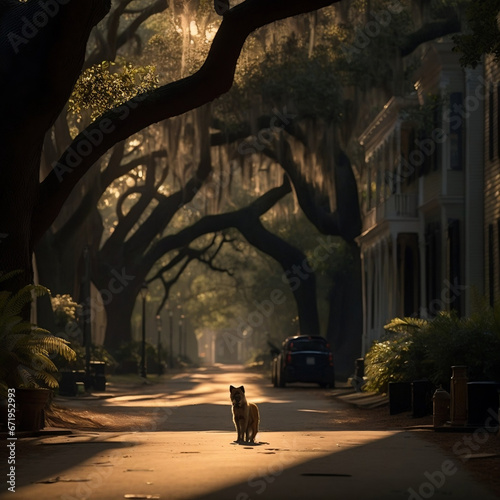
column 394, row 467
column 99, row 451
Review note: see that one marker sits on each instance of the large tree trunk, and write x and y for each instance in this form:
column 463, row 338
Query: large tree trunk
column 16, row 209
column 119, row 313
column 345, row 320
column 298, row 272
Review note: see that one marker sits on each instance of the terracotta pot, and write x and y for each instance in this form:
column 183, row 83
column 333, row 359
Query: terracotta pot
column 30, row 404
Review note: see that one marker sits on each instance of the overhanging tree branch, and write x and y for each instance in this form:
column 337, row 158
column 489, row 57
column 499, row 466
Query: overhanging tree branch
column 187, row 255
column 429, row 31
column 213, row 79
column 213, row 224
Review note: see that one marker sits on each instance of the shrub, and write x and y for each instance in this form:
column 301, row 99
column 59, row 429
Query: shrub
column 414, row 349
column 394, row 358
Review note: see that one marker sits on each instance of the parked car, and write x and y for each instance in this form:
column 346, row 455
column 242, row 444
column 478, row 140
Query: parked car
column 304, row 358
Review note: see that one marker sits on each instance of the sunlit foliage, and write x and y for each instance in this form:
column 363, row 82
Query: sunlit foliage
column 107, row 85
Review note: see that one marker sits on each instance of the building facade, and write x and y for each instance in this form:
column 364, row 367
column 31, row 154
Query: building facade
column 422, row 192
column 492, row 180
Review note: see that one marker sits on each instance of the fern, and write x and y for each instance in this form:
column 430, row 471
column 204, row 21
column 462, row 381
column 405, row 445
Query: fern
column 25, row 349
column 405, row 325
column 22, row 298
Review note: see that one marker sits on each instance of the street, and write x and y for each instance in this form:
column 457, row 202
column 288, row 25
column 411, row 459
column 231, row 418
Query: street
column 176, row 441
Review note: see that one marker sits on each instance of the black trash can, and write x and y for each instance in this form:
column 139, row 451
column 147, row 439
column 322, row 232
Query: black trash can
column 399, row 397
column 359, row 368
column 483, row 403
column 421, row 397
column 98, row 374
column 67, row 383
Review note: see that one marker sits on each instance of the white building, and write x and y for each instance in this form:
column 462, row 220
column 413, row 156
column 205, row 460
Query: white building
column 422, row 195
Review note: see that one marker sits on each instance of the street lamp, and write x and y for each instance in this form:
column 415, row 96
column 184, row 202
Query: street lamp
column 179, row 310
column 171, row 326
column 158, row 325
column 180, row 335
column 143, row 292
column 87, row 322
column 184, row 346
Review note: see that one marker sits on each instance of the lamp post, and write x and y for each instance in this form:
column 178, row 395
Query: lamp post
column 87, row 321
column 184, row 344
column 144, row 292
column 171, row 326
column 180, row 335
column 158, row 325
column 179, row 348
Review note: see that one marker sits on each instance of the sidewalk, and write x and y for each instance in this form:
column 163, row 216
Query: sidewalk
column 360, row 399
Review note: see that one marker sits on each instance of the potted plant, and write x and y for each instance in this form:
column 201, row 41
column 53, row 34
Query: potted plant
column 25, row 356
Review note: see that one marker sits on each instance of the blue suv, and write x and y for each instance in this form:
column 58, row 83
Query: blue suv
column 304, row 358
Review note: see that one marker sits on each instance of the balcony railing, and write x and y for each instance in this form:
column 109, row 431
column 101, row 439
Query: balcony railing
column 395, row 207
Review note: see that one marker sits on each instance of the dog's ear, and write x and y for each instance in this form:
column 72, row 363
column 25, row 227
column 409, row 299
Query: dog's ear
column 242, row 389
column 231, row 388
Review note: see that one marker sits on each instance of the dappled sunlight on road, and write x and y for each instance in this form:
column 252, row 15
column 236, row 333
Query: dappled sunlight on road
column 176, row 439
column 282, row 465
column 199, row 401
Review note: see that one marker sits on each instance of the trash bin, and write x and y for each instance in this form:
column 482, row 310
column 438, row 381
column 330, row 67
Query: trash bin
column 399, row 397
column 441, row 407
column 359, row 368
column 98, row 375
column 483, row 403
column 67, row 384
column 421, row 397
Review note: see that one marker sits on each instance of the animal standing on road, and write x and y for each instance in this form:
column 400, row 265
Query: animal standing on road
column 245, row 415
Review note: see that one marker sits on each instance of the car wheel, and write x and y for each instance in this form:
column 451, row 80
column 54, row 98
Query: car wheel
column 281, row 379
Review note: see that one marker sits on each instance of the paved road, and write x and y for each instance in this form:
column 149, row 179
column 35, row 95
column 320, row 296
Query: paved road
column 185, row 449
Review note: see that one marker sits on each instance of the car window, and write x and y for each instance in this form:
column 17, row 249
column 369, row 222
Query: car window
column 307, row 345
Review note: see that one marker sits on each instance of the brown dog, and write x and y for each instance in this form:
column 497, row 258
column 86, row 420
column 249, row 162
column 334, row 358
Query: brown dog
column 245, row 415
